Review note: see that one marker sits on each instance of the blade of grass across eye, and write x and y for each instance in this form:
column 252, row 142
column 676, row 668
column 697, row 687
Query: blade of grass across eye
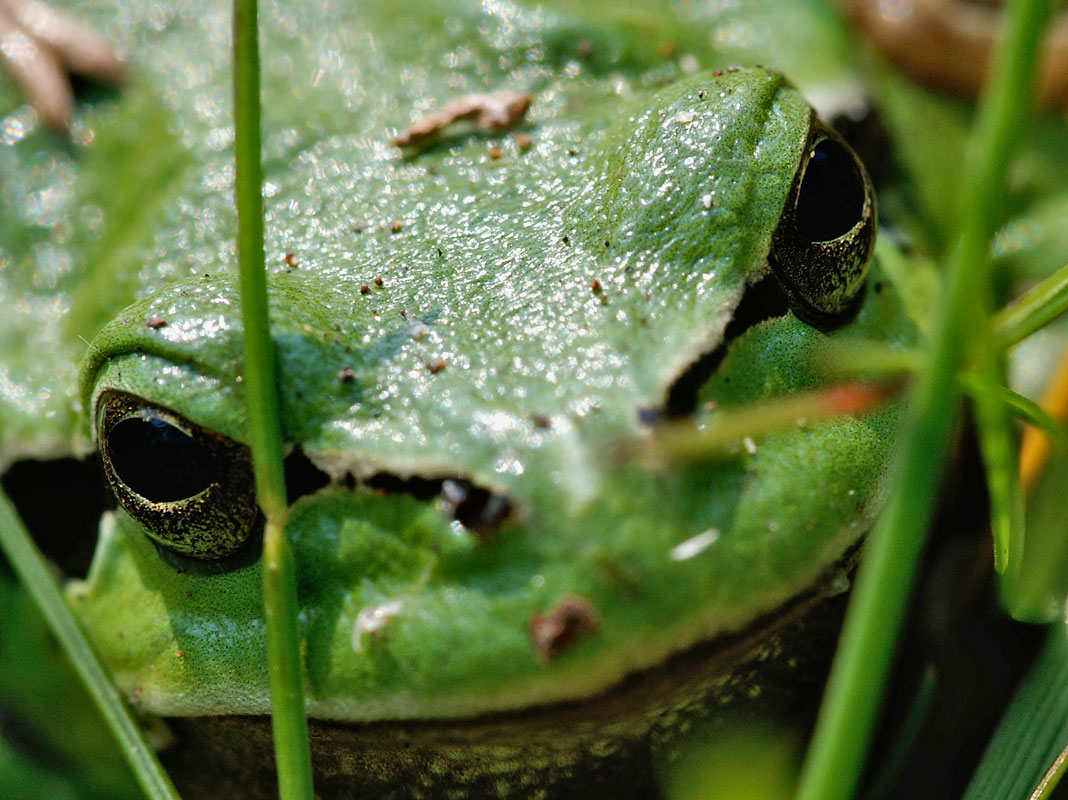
column 36, row 576
column 838, row 751
column 1032, row 734
column 1040, row 305
column 290, row 725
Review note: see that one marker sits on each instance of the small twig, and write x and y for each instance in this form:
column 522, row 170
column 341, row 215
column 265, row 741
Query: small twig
column 495, row 112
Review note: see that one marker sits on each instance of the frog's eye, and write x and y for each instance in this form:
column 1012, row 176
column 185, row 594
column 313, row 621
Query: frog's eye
column 190, row 488
column 821, row 247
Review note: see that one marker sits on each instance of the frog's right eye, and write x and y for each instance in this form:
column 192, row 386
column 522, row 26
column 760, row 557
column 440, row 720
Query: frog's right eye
column 191, row 489
column 825, row 235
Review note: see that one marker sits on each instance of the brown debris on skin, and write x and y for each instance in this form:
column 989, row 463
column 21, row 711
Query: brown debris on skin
column 435, row 367
column 495, row 112
column 555, row 632
column 346, row 374
column 39, row 46
column 291, row 260
column 155, row 323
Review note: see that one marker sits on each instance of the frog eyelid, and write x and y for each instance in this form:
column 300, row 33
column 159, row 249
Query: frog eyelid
column 820, row 259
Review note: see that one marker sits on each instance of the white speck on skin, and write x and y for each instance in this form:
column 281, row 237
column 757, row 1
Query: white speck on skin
column 684, row 117
column 706, row 201
column 749, row 445
column 695, row 545
column 373, row 619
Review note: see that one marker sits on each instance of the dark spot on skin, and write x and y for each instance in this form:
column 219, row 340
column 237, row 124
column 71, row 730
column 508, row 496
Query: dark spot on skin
column 571, row 151
column 396, row 227
column 607, row 243
column 155, row 323
column 378, row 281
column 365, row 289
column 495, row 153
column 555, row 632
column 650, row 416
column 523, row 142
column 566, row 240
column 717, row 74
column 701, row 95
column 346, row 374
column 437, row 366
column 402, row 312
column 595, row 286
column 291, row 260
column 541, row 421
column 359, row 227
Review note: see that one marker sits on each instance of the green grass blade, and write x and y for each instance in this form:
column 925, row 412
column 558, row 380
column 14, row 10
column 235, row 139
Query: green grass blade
column 1040, row 305
column 1033, row 731
column 36, row 576
column 854, row 693
column 290, row 725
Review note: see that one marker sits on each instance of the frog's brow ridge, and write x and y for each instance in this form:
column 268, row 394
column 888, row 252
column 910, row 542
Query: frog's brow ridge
column 761, row 301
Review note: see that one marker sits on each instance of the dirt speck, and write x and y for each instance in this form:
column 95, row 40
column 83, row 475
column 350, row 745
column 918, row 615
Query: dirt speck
column 555, row 632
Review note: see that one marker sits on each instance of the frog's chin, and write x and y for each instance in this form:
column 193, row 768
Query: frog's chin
column 773, row 669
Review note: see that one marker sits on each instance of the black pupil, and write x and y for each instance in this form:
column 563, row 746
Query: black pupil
column 831, row 200
column 158, row 461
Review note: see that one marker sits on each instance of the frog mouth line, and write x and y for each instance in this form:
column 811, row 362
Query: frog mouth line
column 761, row 301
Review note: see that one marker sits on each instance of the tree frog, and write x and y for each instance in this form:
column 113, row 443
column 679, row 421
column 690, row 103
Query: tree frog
column 497, row 598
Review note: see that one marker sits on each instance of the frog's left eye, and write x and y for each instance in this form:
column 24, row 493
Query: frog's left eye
column 821, row 247
column 190, row 488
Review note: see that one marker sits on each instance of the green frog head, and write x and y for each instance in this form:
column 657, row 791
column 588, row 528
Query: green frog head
column 457, row 392
column 476, row 341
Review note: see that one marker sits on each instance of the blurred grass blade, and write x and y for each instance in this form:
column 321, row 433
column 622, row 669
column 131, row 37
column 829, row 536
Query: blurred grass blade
column 1036, row 308
column 1036, row 589
column 993, row 422
column 1033, row 731
column 290, row 725
column 1035, row 447
column 1052, row 778
column 838, row 751
column 1041, row 583
column 724, row 431
column 36, row 576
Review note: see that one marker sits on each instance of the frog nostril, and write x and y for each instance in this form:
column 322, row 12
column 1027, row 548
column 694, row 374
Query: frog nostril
column 475, row 508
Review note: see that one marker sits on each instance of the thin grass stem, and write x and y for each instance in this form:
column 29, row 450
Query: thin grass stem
column 290, row 725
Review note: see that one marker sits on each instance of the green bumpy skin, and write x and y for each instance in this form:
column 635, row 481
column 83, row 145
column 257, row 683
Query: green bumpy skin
column 670, row 206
